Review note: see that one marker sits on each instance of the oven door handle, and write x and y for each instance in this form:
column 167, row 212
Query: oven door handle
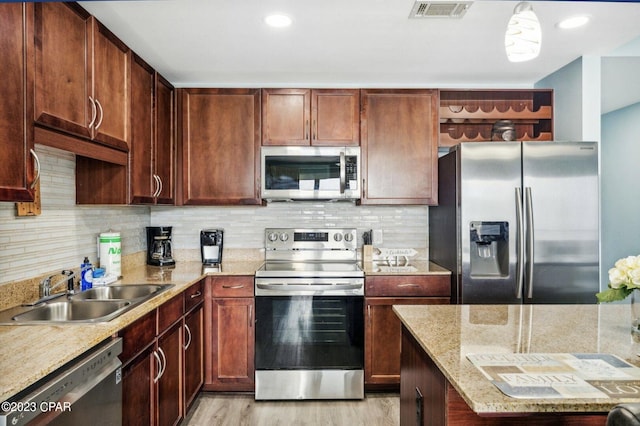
column 308, row 286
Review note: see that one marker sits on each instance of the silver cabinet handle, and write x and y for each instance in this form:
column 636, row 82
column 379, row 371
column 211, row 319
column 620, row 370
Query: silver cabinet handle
column 408, row 285
column 188, row 331
column 101, row 114
column 520, row 243
column 315, row 129
column 94, row 112
column 37, row 160
column 196, row 294
column 530, row 240
column 369, row 311
column 159, row 365
column 250, row 316
column 343, row 173
column 164, row 362
column 235, row 287
column 159, row 186
column 306, row 130
column 157, row 191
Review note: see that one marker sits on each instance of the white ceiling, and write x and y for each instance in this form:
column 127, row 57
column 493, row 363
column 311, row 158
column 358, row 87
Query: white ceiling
column 353, row 43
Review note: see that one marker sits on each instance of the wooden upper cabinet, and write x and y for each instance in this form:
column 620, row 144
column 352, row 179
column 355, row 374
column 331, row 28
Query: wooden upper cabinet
column 110, row 88
column 399, row 138
column 81, row 75
column 311, row 117
column 16, row 89
column 142, row 184
column 286, row 116
column 220, row 131
column 151, row 155
column 165, row 140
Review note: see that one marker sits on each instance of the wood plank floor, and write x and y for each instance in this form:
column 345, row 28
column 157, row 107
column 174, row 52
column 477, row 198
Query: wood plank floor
column 242, row 410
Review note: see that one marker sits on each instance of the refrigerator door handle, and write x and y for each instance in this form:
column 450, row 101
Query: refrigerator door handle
column 530, row 240
column 521, row 244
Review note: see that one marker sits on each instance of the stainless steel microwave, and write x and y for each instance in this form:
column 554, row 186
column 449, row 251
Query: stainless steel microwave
column 310, row 173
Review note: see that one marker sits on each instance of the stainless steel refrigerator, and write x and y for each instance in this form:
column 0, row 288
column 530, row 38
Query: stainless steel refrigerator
column 518, row 222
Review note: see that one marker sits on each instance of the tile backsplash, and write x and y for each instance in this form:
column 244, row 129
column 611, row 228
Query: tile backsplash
column 65, row 233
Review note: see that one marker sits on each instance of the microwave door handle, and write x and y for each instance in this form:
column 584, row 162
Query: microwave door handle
column 343, row 173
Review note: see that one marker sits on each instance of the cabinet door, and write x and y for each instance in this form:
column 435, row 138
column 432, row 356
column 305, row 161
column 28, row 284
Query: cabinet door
column 62, row 71
column 164, row 153
column 142, row 184
column 137, row 390
column 110, row 88
column 286, row 114
column 232, row 345
column 193, row 356
column 16, row 87
column 169, row 400
column 220, row 146
column 335, row 117
column 399, row 138
column 383, row 338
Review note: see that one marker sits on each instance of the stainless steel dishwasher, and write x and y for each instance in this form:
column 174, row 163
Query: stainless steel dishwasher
column 86, row 391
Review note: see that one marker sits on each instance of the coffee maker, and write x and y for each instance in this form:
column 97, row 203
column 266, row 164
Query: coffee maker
column 159, row 246
column 211, row 246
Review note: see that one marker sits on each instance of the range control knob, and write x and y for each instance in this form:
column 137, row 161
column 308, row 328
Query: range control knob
column 284, row 236
column 348, row 237
column 337, row 237
column 272, row 236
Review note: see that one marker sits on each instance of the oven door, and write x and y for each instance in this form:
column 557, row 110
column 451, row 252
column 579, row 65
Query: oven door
column 310, row 173
column 309, row 333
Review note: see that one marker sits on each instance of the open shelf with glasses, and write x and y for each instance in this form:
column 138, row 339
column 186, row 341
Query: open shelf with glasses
column 469, row 115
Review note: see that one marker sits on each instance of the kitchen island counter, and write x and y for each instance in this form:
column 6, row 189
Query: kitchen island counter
column 29, row 352
column 447, row 334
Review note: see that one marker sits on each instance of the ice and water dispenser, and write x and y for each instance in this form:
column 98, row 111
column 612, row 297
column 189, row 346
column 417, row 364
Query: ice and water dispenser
column 489, row 248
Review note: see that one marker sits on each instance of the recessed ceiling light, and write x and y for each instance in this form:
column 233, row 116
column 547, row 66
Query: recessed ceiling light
column 573, row 22
column 278, row 20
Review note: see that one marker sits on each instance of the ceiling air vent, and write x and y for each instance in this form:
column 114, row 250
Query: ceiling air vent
column 439, row 9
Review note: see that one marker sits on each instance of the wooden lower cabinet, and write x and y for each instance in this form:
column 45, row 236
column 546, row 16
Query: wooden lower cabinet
column 193, row 355
column 230, row 344
column 383, row 327
column 162, row 361
column 427, row 398
column 137, row 392
column 169, row 381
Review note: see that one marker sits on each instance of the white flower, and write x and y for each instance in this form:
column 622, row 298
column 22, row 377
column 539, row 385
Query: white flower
column 634, row 277
column 617, row 277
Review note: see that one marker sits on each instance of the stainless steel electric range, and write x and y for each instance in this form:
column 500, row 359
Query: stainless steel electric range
column 309, row 316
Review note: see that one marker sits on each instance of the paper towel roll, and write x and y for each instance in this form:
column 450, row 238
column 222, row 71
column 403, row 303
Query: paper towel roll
column 110, row 253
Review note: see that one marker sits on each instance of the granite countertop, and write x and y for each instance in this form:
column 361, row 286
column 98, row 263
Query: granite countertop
column 448, row 333
column 30, row 352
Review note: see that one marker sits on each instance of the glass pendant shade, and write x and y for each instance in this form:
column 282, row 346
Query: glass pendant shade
column 523, row 37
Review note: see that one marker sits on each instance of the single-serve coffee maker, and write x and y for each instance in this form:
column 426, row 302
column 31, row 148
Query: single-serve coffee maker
column 159, row 250
column 211, row 246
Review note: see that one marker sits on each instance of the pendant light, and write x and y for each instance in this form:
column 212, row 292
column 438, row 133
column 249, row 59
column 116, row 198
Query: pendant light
column 523, row 37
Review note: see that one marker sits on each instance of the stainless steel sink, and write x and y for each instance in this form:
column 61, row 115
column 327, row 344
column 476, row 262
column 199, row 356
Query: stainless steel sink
column 121, row 292
column 70, row 311
column 99, row 304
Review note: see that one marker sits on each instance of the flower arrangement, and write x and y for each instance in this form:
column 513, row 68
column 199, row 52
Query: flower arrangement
column 624, row 278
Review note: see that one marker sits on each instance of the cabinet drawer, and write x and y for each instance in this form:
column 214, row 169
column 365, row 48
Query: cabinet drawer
column 138, row 335
column 231, row 286
column 193, row 295
column 408, row 285
column 169, row 312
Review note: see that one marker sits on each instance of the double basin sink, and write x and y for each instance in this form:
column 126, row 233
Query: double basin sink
column 99, row 304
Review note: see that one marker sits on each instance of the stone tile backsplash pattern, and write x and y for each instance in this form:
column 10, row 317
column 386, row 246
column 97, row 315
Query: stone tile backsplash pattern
column 64, row 233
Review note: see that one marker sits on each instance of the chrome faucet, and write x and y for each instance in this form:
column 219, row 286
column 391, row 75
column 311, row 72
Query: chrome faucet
column 46, row 287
